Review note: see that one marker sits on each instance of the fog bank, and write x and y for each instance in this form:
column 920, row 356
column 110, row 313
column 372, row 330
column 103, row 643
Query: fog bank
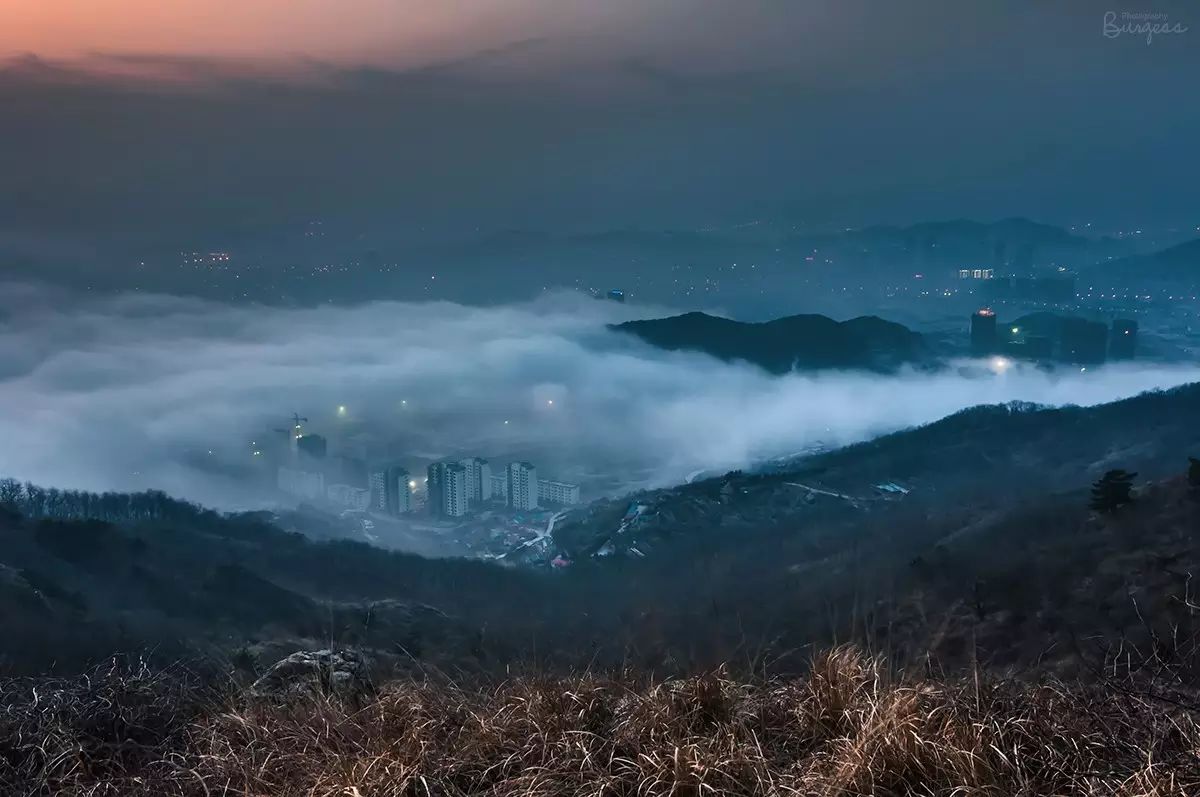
column 137, row 391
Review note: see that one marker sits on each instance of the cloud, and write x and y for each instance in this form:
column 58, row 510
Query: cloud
column 135, row 391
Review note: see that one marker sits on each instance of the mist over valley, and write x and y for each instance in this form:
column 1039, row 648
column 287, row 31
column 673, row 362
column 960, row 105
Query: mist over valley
column 171, row 393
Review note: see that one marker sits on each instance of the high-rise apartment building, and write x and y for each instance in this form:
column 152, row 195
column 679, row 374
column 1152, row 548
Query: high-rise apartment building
column 522, row 485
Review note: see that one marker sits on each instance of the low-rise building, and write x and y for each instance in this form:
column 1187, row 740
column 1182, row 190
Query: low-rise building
column 555, row 492
column 1083, row 341
column 358, row 498
column 307, row 485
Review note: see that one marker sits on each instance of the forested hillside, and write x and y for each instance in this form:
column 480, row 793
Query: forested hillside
column 751, row 569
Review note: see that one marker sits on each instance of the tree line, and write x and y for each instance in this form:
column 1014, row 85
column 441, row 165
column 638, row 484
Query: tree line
column 33, row 501
column 1114, row 489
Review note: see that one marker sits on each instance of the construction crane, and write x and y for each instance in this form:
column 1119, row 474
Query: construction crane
column 296, row 421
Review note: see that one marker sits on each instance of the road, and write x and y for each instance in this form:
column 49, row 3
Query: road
column 545, row 535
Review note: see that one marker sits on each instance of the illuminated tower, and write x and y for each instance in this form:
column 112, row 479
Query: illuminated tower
column 984, row 339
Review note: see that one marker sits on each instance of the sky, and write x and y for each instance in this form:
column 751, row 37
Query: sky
column 137, row 127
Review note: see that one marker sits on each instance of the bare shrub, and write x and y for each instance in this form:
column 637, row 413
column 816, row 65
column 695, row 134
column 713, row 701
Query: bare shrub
column 848, row 728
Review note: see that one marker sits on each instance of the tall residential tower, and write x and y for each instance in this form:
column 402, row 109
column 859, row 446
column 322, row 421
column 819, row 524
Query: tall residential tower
column 522, row 485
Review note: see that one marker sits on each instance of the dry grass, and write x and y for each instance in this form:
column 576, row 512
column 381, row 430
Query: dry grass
column 846, row 729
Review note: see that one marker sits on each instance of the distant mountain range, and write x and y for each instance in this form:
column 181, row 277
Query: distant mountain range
column 1009, row 240
column 799, row 342
column 1004, row 239
column 746, row 266
column 1013, row 230
column 982, row 237
column 1180, row 263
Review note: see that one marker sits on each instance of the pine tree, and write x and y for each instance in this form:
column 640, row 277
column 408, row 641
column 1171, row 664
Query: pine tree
column 1112, row 491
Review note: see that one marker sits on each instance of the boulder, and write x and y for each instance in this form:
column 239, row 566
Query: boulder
column 343, row 674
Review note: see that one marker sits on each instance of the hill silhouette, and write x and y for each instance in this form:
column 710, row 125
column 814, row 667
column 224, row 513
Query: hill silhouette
column 1178, row 264
column 803, row 342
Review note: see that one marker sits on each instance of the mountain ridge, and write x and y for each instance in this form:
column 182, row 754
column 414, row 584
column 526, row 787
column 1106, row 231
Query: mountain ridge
column 797, row 342
column 827, row 532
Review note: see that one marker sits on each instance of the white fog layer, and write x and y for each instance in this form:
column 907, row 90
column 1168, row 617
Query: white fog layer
column 140, row 391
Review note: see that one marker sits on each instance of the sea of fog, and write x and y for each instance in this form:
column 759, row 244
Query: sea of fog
column 135, row 391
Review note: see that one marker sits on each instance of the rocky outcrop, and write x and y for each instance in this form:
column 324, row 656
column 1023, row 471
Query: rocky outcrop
column 342, row 674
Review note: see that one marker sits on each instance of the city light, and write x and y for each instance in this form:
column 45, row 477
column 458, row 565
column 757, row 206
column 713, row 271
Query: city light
column 341, row 411
column 412, row 484
column 1016, row 330
column 549, row 402
column 1000, row 364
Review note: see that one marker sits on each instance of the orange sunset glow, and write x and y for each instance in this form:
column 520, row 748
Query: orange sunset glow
column 385, row 31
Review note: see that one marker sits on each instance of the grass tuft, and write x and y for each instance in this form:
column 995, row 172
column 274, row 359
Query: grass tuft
column 848, row 728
